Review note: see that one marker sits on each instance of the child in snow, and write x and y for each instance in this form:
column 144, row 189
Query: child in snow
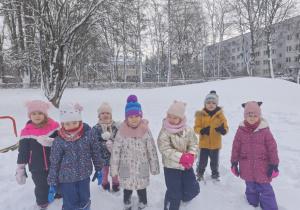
column 105, row 131
column 178, row 145
column 71, row 155
column 255, row 149
column 34, row 149
column 133, row 154
column 210, row 124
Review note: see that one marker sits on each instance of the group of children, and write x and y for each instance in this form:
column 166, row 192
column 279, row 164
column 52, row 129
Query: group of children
column 61, row 158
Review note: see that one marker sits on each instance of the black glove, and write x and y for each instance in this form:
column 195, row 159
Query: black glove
column 221, row 129
column 273, row 171
column 205, row 131
column 95, row 176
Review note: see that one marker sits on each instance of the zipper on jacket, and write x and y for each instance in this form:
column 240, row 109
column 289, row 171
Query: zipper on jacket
column 30, row 157
column 252, row 166
column 46, row 165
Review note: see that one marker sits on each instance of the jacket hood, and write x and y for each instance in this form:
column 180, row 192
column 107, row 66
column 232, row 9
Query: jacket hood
column 263, row 124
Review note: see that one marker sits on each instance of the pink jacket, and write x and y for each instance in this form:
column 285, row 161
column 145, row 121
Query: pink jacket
column 254, row 152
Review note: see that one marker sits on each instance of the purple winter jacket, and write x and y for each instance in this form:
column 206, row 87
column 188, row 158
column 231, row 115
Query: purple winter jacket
column 254, row 152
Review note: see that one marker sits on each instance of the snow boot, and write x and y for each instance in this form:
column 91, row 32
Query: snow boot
column 116, row 188
column 216, row 177
column 106, row 186
column 43, row 207
column 57, row 196
column 200, row 177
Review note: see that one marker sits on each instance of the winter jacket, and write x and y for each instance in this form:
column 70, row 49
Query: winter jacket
column 202, row 120
column 254, row 152
column 132, row 158
column 30, row 151
column 71, row 160
column 172, row 146
column 105, row 154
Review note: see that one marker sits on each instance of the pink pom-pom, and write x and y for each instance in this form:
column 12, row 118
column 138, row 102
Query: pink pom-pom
column 48, row 104
column 131, row 98
column 78, row 106
column 26, row 104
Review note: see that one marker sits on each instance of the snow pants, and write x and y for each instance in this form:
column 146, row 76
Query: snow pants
column 262, row 193
column 181, row 186
column 203, row 159
column 41, row 189
column 76, row 195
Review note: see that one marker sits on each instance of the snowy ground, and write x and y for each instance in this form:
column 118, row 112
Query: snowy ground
column 281, row 103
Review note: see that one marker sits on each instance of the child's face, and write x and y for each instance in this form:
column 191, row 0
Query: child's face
column 70, row 125
column 210, row 106
column 252, row 119
column 37, row 117
column 173, row 120
column 105, row 116
column 134, row 120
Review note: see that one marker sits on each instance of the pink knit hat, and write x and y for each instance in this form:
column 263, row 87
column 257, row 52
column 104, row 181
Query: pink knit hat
column 177, row 109
column 37, row 106
column 252, row 108
column 105, row 107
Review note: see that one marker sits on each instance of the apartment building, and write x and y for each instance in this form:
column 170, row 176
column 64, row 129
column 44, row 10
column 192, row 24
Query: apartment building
column 285, row 51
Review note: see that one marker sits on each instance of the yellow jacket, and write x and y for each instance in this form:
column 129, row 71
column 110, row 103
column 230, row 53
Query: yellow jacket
column 202, row 120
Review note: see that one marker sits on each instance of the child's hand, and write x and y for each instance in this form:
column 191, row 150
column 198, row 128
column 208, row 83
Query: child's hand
column 21, row 174
column 221, row 129
column 45, row 140
column 235, row 169
column 187, row 160
column 51, row 194
column 273, row 171
column 205, row 131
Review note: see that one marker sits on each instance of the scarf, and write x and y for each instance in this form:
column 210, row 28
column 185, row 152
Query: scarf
column 175, row 128
column 71, row 135
column 251, row 127
column 128, row 130
column 211, row 113
column 106, row 124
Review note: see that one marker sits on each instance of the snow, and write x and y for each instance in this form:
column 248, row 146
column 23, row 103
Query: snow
column 281, row 103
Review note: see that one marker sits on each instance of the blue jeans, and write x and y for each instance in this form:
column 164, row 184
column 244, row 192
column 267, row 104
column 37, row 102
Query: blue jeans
column 76, row 195
column 181, row 186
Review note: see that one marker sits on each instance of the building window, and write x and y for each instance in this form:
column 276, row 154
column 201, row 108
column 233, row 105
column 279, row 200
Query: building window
column 289, row 48
column 289, row 37
column 257, row 63
column 257, row 54
column 280, row 45
column 238, row 49
column 288, row 59
column 273, row 61
column 237, row 65
column 280, row 55
column 265, row 52
column 266, row 62
column 297, row 36
column 233, row 50
column 273, row 51
column 242, row 64
column 232, row 58
column 279, row 65
column 297, row 47
column 297, row 59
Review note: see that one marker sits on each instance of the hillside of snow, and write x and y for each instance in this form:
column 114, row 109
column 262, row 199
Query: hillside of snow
column 281, row 104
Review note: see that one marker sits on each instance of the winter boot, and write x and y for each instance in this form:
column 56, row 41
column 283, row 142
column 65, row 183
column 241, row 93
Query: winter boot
column 216, row 177
column 106, row 186
column 116, row 188
column 200, row 177
column 43, row 207
column 57, row 196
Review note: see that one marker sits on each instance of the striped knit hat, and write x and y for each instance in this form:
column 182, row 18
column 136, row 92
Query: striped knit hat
column 133, row 107
column 37, row 106
column 212, row 96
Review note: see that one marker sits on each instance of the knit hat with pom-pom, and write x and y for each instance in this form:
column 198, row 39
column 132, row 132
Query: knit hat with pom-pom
column 212, row 96
column 133, row 107
column 37, row 106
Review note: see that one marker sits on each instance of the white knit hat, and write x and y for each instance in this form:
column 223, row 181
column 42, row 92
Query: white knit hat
column 70, row 112
column 177, row 109
column 105, row 107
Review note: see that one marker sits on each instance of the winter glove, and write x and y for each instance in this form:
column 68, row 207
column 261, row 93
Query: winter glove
column 51, row 194
column 273, row 171
column 187, row 160
column 105, row 135
column 205, row 131
column 235, row 169
column 45, row 141
column 21, row 174
column 109, row 145
column 221, row 129
column 97, row 175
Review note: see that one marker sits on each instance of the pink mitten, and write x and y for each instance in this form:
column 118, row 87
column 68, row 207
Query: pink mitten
column 109, row 145
column 187, row 160
column 21, row 174
column 45, row 140
column 234, row 170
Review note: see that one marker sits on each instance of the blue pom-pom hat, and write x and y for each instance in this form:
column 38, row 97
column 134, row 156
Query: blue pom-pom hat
column 133, row 107
column 212, row 96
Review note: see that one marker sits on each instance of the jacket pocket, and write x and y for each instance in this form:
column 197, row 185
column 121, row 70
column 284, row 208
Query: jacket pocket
column 144, row 170
column 124, row 171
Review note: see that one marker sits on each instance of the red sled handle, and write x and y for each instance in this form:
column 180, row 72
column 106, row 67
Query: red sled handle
column 14, row 123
